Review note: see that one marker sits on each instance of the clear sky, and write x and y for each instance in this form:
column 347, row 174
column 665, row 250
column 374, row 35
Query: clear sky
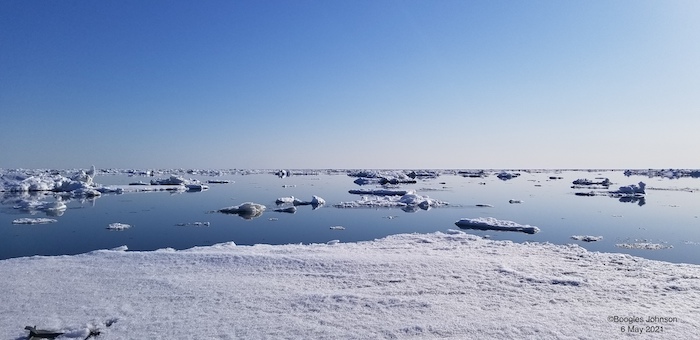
column 350, row 84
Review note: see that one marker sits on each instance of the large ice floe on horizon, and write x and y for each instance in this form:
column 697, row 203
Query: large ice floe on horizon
column 491, row 223
column 408, row 202
column 449, row 285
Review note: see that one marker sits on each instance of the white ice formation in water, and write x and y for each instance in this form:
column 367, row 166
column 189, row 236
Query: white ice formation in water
column 490, row 223
column 408, row 202
column 27, row 220
column 247, row 210
column 586, row 238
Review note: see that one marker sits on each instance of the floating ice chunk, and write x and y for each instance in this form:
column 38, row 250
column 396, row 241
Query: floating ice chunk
column 507, row 175
column 219, row 181
column 120, row 248
column 332, row 242
column 584, row 181
column 247, row 210
column 586, row 238
column 408, row 202
column 515, row 201
column 196, row 187
column 365, row 181
column 285, row 200
column 34, row 221
column 490, row 223
column 118, row 226
column 315, row 202
column 631, row 189
column 195, row 224
column 337, row 227
column 485, row 205
column 172, row 180
column 380, row 192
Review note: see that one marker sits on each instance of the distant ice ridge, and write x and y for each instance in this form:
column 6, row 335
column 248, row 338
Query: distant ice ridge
column 408, row 202
column 665, row 173
column 490, row 223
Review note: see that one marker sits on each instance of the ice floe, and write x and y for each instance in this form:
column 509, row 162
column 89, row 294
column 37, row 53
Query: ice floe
column 118, row 226
column 418, row 286
column 337, row 227
column 586, row 238
column 408, row 202
column 194, row 224
column 247, row 210
column 507, row 175
column 515, row 201
column 379, row 192
column 491, row 223
column 28, row 220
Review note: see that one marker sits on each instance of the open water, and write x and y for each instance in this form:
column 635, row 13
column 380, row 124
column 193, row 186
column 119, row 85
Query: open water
column 668, row 216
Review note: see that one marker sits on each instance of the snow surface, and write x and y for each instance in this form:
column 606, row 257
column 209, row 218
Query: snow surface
column 491, row 223
column 440, row 285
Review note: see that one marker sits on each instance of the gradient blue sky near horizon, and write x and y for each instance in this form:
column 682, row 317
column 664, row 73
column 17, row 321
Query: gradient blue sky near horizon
column 350, row 84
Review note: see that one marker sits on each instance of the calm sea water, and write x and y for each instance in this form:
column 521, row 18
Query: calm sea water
column 668, row 217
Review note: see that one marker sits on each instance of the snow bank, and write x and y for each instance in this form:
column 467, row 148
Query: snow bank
column 247, row 210
column 415, row 286
column 490, row 223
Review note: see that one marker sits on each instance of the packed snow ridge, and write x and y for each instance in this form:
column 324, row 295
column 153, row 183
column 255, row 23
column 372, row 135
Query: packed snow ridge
column 409, row 286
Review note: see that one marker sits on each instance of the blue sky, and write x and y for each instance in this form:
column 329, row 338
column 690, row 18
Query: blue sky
column 350, row 84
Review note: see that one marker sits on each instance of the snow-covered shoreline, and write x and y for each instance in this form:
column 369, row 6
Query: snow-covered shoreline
column 439, row 285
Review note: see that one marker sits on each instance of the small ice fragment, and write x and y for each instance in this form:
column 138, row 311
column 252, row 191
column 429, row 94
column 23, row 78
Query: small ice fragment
column 515, row 201
column 485, row 205
column 332, row 242
column 118, row 226
column 586, row 238
column 490, row 223
column 34, row 221
column 337, row 227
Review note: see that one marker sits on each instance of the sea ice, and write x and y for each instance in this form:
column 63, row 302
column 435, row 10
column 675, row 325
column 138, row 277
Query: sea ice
column 27, row 220
column 247, row 210
column 410, row 286
column 490, row 223
column 380, row 192
column 337, row 227
column 586, row 238
column 118, row 226
column 409, row 202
